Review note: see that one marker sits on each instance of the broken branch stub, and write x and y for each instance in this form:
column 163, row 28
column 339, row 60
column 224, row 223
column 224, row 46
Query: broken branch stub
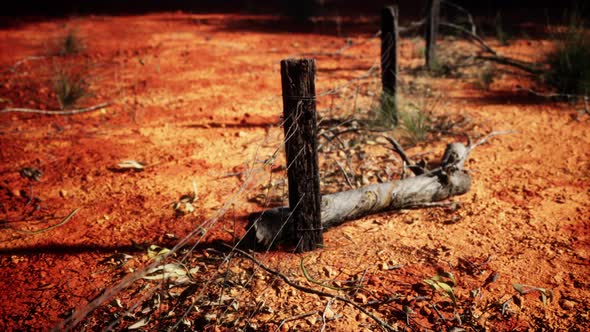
column 450, row 179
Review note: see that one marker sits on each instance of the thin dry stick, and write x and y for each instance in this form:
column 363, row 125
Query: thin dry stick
column 61, row 223
column 495, row 57
column 20, row 62
column 464, row 11
column 417, row 170
column 410, row 27
column 345, row 174
column 323, row 328
column 528, row 67
column 431, row 205
column 319, row 283
column 488, row 136
column 360, row 283
column 552, row 94
column 288, row 281
column 71, row 322
column 57, row 112
column 311, row 313
column 237, row 244
column 471, row 34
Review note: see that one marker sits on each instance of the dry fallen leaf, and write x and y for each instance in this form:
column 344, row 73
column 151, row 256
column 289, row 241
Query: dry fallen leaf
column 130, row 164
column 139, row 324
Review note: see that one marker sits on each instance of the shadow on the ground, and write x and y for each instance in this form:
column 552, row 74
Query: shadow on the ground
column 506, row 97
column 241, row 125
column 74, row 249
column 66, row 250
column 284, row 16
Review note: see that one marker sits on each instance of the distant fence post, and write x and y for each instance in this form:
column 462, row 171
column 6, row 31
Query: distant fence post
column 432, row 32
column 389, row 67
column 299, row 111
column 389, row 52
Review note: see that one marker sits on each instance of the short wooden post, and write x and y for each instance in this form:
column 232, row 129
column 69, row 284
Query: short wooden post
column 432, row 32
column 389, row 52
column 299, row 111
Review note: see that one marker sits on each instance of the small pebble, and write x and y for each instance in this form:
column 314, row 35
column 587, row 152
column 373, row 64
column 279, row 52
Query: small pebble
column 361, row 298
column 566, row 304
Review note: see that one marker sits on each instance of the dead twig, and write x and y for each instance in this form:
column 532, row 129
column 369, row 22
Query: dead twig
column 319, row 283
column 417, row 170
column 360, row 283
column 452, row 205
column 453, row 160
column 433, row 306
column 471, row 34
column 464, row 11
column 552, row 94
column 57, row 112
column 488, row 136
column 525, row 66
column 345, row 175
column 61, row 223
column 411, row 27
column 494, row 56
column 307, row 314
column 288, row 281
column 12, row 69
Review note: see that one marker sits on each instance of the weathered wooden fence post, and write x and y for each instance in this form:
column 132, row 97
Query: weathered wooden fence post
column 299, row 111
column 389, row 67
column 432, row 32
column 389, row 46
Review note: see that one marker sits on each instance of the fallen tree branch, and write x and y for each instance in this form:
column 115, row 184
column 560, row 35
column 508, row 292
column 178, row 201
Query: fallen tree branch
column 57, row 112
column 450, row 179
column 307, row 290
column 585, row 98
column 471, row 34
column 494, row 56
column 522, row 65
column 552, row 94
column 274, row 226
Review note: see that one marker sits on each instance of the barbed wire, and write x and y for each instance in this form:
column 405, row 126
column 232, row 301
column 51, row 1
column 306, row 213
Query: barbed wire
column 257, row 165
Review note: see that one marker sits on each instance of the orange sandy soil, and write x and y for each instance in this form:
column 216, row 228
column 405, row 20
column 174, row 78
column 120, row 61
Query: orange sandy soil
column 197, row 98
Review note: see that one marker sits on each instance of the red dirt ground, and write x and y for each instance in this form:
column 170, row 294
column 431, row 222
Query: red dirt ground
column 197, row 98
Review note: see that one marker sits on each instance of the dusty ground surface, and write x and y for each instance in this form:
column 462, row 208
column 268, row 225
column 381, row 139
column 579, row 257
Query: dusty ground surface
column 196, row 98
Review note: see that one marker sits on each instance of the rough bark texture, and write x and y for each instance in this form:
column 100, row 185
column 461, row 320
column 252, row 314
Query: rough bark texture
column 389, row 45
column 299, row 110
column 275, row 226
column 432, row 32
